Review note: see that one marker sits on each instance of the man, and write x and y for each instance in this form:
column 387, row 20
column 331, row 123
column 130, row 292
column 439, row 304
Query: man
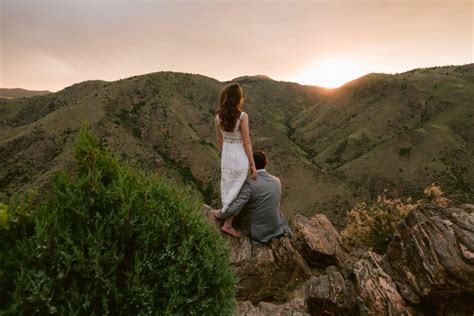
column 257, row 207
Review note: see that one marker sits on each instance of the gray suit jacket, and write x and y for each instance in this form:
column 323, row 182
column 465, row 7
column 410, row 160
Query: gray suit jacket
column 257, row 208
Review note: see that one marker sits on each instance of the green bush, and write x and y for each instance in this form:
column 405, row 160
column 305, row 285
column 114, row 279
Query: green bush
column 4, row 222
column 404, row 151
column 111, row 240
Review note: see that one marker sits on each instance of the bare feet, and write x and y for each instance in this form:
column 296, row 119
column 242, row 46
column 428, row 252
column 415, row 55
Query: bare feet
column 231, row 231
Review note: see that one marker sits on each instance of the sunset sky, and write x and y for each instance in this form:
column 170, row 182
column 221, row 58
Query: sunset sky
column 53, row 44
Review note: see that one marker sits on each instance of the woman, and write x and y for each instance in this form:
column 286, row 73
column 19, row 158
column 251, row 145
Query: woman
column 233, row 138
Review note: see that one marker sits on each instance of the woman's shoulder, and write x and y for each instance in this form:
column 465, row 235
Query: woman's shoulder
column 242, row 115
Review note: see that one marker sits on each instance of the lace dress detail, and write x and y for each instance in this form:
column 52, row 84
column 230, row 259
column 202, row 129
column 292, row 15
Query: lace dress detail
column 234, row 164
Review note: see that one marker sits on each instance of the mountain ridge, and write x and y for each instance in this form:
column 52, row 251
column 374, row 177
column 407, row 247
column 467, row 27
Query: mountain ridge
column 330, row 147
column 15, row 93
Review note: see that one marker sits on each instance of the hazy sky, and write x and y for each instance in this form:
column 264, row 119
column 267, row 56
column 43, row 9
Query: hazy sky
column 52, row 44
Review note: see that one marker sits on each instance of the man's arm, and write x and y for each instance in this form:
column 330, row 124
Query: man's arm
column 236, row 206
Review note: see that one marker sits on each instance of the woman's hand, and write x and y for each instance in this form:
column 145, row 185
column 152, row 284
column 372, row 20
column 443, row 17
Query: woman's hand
column 254, row 172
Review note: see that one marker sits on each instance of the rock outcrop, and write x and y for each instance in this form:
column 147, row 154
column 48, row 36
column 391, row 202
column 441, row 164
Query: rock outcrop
column 295, row 307
column 318, row 242
column 377, row 293
column 330, row 294
column 428, row 269
column 431, row 258
column 265, row 272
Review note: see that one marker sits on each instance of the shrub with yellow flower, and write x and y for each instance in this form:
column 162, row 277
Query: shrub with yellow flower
column 372, row 226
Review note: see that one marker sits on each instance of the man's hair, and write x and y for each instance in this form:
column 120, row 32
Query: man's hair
column 260, row 159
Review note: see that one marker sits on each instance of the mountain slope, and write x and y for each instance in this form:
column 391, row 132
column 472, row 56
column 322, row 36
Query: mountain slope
column 396, row 131
column 16, row 93
column 331, row 148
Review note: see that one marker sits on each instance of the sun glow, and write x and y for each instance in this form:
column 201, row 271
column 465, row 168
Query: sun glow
column 332, row 73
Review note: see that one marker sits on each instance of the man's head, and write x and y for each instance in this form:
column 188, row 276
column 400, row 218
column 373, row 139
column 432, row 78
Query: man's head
column 260, row 159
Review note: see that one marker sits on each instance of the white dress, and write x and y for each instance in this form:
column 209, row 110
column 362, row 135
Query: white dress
column 234, row 164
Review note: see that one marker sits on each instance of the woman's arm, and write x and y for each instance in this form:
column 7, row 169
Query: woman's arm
column 219, row 138
column 244, row 129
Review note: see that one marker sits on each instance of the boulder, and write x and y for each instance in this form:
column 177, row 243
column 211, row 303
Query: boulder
column 330, row 294
column 266, row 272
column 293, row 308
column 377, row 294
column 319, row 243
column 431, row 258
column 467, row 207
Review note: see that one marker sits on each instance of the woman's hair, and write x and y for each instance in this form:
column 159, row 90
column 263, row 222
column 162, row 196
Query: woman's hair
column 229, row 106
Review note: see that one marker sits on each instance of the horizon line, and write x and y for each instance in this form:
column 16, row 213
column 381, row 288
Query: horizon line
column 241, row 76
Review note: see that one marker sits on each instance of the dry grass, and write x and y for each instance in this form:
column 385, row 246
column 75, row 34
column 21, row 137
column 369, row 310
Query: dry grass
column 372, row 225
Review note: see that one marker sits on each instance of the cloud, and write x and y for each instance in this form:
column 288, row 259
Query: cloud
column 69, row 41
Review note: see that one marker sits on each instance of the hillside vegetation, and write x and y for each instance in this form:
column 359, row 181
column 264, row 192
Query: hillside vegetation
column 397, row 132
column 331, row 147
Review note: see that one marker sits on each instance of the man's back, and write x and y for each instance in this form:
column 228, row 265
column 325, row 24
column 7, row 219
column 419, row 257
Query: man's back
column 261, row 215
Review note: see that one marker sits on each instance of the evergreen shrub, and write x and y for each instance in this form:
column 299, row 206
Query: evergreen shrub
column 109, row 239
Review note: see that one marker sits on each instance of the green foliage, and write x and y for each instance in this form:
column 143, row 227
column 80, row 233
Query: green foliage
column 4, row 223
column 182, row 168
column 16, row 225
column 112, row 240
column 10, row 176
column 404, row 151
